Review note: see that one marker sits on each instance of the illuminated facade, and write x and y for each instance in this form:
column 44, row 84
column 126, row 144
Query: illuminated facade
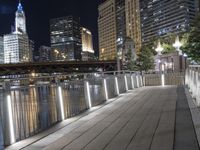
column 133, row 28
column 87, row 45
column 20, row 20
column 1, row 51
column 118, row 20
column 16, row 48
column 107, row 30
column 16, row 44
column 161, row 17
column 65, row 35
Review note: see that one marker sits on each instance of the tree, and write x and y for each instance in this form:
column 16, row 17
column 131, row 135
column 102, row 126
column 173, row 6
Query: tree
column 192, row 41
column 145, row 59
column 130, row 62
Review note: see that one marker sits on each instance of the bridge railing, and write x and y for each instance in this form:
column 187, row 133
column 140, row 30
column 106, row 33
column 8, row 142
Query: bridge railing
column 157, row 79
column 27, row 109
column 193, row 81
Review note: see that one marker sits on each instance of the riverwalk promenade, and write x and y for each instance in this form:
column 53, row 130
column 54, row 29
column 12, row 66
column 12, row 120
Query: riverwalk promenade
column 146, row 118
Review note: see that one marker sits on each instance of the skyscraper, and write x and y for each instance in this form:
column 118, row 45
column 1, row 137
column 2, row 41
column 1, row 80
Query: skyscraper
column 133, row 27
column 16, row 48
column 120, row 25
column 107, row 30
column 118, row 20
column 1, row 51
column 65, row 38
column 16, row 44
column 160, row 17
column 87, row 44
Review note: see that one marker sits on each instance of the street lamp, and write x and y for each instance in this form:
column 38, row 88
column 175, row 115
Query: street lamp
column 159, row 48
column 177, row 45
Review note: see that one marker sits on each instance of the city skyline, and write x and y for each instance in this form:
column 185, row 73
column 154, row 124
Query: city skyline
column 38, row 21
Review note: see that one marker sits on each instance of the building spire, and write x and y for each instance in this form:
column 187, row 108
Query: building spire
column 19, row 7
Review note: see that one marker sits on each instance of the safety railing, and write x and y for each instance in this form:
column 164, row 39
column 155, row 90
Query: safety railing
column 192, row 79
column 31, row 105
column 157, row 79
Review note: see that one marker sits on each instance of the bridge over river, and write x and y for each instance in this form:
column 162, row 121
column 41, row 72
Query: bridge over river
column 132, row 116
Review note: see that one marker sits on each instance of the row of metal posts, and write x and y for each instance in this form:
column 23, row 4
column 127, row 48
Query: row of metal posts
column 192, row 79
column 9, row 130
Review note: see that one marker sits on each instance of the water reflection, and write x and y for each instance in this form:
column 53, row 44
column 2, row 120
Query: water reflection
column 35, row 108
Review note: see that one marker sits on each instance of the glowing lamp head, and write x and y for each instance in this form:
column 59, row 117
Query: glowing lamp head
column 159, row 48
column 177, row 43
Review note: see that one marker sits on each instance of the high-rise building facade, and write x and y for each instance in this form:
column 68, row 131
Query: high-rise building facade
column 161, row 17
column 118, row 20
column 107, row 30
column 120, row 26
column 133, row 26
column 44, row 53
column 1, row 51
column 65, row 35
column 16, row 48
column 16, row 44
column 87, row 45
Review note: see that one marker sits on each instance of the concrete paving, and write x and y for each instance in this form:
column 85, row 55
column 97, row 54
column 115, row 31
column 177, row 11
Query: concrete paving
column 148, row 118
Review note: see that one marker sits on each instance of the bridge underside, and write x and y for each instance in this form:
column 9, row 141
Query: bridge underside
column 148, row 118
column 53, row 67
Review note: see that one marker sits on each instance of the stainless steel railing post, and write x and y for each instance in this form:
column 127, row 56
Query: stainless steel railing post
column 87, row 94
column 9, row 132
column 60, row 99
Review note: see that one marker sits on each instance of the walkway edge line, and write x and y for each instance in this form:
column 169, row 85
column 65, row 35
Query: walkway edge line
column 195, row 112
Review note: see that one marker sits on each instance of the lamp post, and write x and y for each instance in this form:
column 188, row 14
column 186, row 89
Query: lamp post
column 159, row 50
column 177, row 45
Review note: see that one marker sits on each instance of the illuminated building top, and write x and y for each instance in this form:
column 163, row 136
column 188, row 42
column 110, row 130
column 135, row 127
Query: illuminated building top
column 20, row 19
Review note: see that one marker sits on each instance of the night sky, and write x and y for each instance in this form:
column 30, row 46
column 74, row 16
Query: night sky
column 39, row 12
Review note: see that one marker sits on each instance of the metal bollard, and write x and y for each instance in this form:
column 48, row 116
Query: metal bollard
column 137, row 81
column 105, row 88
column 87, row 94
column 60, row 99
column 117, row 86
column 126, row 84
column 9, row 122
column 132, row 82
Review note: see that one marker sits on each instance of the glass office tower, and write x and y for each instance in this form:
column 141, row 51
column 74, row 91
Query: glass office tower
column 65, row 35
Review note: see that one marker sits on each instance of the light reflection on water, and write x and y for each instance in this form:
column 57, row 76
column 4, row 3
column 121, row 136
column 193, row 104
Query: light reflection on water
column 35, row 108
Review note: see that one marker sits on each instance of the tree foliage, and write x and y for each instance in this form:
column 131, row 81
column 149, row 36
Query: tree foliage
column 145, row 59
column 143, row 62
column 192, row 41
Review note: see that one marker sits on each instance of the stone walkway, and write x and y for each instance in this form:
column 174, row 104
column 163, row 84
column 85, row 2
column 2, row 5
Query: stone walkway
column 148, row 118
